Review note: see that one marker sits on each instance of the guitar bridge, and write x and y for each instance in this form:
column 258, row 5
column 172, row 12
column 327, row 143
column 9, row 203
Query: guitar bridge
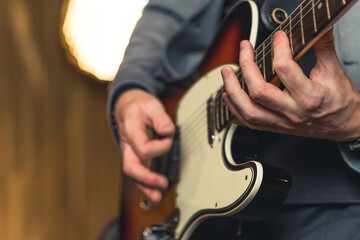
column 164, row 231
column 157, row 232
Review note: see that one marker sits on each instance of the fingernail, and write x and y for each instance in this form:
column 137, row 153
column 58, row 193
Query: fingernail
column 166, row 127
column 156, row 197
column 278, row 34
column 225, row 72
column 242, row 45
column 162, row 183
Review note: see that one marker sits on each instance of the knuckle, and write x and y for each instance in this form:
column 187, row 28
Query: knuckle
column 151, row 180
column 311, row 104
column 231, row 93
column 251, row 117
column 244, row 63
column 281, row 65
column 156, row 198
column 297, row 120
column 256, row 93
column 126, row 169
column 143, row 153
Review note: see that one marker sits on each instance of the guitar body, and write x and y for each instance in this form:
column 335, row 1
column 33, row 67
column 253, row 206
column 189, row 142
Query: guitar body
column 213, row 183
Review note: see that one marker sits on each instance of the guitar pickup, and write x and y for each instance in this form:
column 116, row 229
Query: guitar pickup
column 210, row 121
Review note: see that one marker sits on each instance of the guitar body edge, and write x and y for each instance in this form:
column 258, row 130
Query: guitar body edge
column 212, row 182
column 197, row 157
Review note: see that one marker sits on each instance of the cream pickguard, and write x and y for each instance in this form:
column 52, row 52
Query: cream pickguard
column 206, row 183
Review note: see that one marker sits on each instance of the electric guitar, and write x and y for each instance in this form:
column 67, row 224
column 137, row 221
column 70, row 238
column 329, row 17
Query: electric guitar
column 220, row 177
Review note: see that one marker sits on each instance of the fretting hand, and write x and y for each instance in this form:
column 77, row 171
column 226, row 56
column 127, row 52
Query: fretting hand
column 325, row 105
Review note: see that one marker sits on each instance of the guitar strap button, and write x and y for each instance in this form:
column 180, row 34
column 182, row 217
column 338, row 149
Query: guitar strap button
column 279, row 15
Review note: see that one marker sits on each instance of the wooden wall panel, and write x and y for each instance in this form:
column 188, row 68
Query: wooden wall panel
column 59, row 170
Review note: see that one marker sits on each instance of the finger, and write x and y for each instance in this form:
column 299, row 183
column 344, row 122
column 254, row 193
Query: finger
column 153, row 196
column 133, row 168
column 145, row 148
column 233, row 109
column 249, row 110
column 276, row 127
column 261, row 91
column 161, row 122
column 289, row 72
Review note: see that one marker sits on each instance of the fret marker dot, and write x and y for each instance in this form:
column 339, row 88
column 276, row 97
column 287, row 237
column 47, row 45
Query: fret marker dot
column 320, row 5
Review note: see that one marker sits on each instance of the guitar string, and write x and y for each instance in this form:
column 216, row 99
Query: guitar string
column 196, row 117
column 296, row 31
column 192, row 128
column 200, row 141
column 195, row 139
column 196, row 131
column 298, row 22
column 196, row 128
column 199, row 131
column 189, row 150
column 259, row 61
column 198, row 111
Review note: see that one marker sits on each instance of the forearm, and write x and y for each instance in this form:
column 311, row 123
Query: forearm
column 142, row 59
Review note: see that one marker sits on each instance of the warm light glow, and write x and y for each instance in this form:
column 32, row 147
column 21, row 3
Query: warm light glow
column 97, row 33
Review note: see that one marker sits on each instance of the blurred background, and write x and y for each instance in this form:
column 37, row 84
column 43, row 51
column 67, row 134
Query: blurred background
column 59, row 169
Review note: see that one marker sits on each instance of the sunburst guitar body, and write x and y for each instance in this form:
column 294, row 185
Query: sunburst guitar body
column 219, row 178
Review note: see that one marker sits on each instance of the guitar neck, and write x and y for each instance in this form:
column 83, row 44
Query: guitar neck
column 304, row 26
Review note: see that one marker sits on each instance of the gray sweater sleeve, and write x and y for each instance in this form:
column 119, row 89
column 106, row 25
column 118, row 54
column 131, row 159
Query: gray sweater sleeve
column 141, row 61
column 146, row 63
column 347, row 42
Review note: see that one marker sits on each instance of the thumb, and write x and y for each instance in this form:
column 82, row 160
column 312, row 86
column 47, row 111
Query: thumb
column 162, row 122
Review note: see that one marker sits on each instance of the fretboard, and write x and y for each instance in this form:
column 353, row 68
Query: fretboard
column 308, row 22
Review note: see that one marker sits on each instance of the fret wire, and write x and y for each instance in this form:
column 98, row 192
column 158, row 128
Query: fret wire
column 268, row 60
column 328, row 9
column 314, row 18
column 264, row 68
column 291, row 40
column 259, row 60
column 280, row 27
column 308, row 24
column 224, row 112
column 264, row 44
column 302, row 25
column 272, row 55
column 256, row 55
